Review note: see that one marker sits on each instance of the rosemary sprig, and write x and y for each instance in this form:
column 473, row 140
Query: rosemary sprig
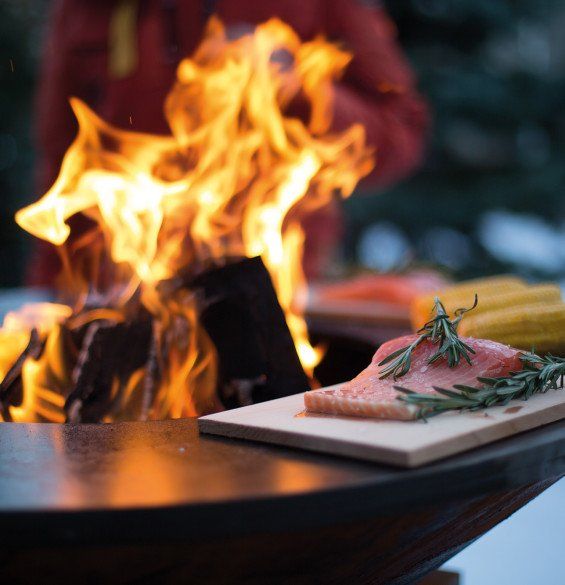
column 399, row 361
column 440, row 330
column 539, row 374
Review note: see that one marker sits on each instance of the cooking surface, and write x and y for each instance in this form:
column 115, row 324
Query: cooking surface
column 160, row 479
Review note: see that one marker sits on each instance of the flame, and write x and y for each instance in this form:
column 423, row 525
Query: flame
column 233, row 179
column 14, row 337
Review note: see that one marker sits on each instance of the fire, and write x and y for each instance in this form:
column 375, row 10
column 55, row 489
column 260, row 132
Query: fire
column 233, row 179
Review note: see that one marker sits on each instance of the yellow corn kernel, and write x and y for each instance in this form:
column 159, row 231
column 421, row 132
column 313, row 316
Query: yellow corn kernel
column 538, row 326
column 463, row 295
column 542, row 294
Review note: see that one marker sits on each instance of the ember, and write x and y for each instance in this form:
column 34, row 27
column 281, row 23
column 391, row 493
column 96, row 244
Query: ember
column 149, row 320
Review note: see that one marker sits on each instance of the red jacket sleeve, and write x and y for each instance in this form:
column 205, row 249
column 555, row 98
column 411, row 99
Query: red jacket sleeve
column 378, row 89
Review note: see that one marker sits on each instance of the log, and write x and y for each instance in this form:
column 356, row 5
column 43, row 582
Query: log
column 110, row 351
column 239, row 309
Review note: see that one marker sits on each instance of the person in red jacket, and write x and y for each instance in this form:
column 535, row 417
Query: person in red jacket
column 120, row 57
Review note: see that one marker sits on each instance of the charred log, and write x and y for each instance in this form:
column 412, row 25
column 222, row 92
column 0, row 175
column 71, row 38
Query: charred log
column 110, row 353
column 117, row 365
column 239, row 309
column 152, row 374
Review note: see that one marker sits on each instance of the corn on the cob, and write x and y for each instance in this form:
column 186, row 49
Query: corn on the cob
column 540, row 294
column 539, row 327
column 463, row 295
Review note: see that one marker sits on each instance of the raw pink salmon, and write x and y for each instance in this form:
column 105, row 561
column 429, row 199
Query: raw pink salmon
column 369, row 396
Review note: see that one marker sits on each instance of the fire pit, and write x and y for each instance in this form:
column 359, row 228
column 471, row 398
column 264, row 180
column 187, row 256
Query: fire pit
column 154, row 502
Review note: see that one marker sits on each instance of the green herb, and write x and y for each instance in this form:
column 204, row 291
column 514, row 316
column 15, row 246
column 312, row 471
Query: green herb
column 440, row 330
column 539, row 374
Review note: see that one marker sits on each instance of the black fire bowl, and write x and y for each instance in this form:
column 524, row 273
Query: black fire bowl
column 153, row 502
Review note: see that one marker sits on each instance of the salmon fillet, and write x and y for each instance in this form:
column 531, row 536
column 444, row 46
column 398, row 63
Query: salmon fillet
column 369, row 396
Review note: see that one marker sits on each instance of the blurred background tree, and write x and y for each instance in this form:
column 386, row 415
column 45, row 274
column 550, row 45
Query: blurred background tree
column 21, row 25
column 490, row 197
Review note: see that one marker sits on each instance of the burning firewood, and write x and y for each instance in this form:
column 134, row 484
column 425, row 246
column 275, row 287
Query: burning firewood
column 239, row 309
column 232, row 181
column 152, row 373
column 237, row 306
column 109, row 355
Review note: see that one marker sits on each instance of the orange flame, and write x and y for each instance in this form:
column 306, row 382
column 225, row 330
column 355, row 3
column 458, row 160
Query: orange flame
column 232, row 180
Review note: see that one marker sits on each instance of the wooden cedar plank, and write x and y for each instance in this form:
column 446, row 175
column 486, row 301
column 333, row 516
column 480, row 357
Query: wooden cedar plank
column 404, row 444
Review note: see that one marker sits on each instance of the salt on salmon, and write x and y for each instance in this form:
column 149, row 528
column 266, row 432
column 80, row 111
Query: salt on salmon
column 369, row 396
